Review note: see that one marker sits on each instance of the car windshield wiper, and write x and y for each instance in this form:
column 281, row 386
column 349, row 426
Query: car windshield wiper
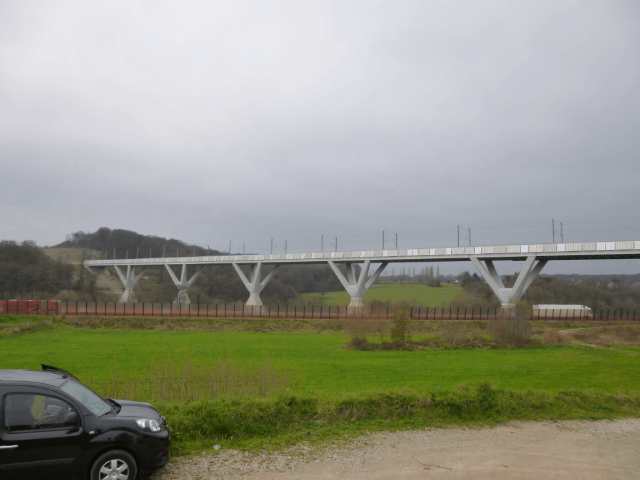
column 115, row 405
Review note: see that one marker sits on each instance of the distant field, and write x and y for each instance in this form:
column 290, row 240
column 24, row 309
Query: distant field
column 72, row 255
column 430, row 296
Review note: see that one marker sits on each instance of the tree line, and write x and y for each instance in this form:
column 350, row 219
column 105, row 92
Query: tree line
column 26, row 269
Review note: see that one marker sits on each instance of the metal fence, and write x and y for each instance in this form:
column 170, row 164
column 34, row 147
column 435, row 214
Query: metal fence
column 111, row 309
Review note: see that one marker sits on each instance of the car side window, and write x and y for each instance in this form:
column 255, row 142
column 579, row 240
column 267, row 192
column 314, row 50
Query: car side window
column 28, row 412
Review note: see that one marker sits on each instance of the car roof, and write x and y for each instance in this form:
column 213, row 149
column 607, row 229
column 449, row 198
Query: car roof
column 32, row 376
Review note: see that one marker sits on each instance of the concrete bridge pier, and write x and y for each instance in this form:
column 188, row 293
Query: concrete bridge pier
column 129, row 282
column 254, row 284
column 357, row 287
column 509, row 296
column 183, row 284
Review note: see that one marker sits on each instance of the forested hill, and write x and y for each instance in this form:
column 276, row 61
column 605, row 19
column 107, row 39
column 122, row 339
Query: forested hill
column 127, row 243
column 25, row 268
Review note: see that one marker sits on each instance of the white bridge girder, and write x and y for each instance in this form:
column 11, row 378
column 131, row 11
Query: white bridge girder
column 508, row 296
column 355, row 286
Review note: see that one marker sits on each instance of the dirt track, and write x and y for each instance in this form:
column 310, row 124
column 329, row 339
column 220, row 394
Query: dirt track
column 522, row 450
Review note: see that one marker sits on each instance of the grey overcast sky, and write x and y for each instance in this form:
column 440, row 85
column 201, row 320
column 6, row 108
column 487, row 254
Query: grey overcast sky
column 243, row 121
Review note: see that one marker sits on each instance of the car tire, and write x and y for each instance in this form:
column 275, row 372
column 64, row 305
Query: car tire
column 114, row 461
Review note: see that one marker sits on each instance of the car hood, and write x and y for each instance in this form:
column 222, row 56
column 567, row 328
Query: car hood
column 137, row 410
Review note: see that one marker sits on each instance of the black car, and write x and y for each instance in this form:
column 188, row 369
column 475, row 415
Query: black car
column 53, row 427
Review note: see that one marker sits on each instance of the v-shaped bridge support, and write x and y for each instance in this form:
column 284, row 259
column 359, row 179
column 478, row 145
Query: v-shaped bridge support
column 508, row 296
column 183, row 284
column 357, row 287
column 129, row 282
column 254, row 284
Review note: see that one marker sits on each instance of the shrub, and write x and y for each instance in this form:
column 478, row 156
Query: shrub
column 400, row 325
column 512, row 326
column 554, row 337
column 454, row 336
column 379, row 327
column 357, row 328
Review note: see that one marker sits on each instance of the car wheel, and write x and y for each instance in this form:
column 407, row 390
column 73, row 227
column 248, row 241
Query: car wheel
column 114, row 465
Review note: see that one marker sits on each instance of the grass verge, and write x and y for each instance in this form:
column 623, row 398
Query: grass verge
column 22, row 325
column 289, row 419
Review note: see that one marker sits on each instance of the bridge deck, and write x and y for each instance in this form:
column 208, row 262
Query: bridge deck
column 551, row 251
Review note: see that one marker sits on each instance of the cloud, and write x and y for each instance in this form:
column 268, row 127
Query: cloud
column 211, row 121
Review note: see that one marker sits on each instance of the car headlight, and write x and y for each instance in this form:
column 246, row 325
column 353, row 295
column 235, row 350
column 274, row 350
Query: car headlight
column 148, row 425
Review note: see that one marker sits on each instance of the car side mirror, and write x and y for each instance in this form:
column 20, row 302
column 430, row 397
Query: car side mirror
column 71, row 419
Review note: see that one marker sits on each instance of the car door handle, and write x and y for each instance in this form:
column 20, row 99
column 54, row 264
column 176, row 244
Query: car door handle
column 8, row 447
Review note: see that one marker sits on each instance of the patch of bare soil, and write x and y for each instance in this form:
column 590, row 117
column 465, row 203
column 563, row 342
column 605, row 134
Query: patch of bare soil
column 522, row 450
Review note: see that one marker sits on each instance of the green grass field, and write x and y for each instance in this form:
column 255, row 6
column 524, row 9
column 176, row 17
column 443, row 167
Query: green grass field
column 429, row 296
column 334, row 393
column 322, row 366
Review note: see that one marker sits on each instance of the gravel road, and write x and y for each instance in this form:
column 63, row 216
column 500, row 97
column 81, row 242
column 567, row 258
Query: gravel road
column 519, row 450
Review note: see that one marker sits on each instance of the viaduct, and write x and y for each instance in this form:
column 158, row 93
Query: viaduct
column 343, row 264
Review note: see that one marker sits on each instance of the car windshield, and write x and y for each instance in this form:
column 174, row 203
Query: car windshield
column 89, row 399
